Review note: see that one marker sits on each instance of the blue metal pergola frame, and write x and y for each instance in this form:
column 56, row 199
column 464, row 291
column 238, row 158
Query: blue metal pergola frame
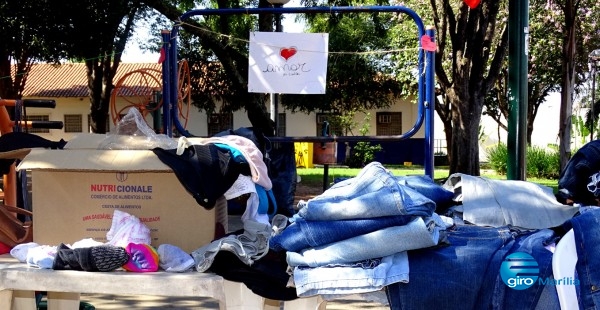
column 426, row 75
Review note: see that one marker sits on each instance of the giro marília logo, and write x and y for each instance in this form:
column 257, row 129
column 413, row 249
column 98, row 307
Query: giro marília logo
column 519, row 271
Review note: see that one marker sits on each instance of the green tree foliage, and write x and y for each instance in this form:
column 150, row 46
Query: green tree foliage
column 357, row 78
column 570, row 16
column 92, row 31
column 28, row 33
column 360, row 71
column 96, row 32
column 215, row 49
column 546, row 23
column 544, row 49
column 472, row 45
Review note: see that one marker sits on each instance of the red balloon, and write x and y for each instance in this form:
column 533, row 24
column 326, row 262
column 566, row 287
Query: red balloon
column 472, row 3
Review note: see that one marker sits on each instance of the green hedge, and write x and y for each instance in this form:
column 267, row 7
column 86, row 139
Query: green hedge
column 541, row 163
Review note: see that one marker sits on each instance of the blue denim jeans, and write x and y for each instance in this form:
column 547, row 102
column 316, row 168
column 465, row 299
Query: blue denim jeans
column 419, row 233
column 428, row 188
column 302, row 234
column 587, row 239
column 331, row 281
column 496, row 203
column 464, row 272
column 374, row 192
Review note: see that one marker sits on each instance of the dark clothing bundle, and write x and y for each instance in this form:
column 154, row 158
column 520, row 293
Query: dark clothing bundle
column 573, row 180
column 266, row 277
column 97, row 258
column 205, row 171
column 20, row 140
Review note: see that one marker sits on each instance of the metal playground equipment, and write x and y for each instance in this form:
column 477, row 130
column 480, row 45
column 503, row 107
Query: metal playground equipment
column 425, row 76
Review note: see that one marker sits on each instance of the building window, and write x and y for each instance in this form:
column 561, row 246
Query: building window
column 389, row 123
column 73, row 123
column 281, row 126
column 218, row 122
column 333, row 128
column 440, row 147
column 38, row 118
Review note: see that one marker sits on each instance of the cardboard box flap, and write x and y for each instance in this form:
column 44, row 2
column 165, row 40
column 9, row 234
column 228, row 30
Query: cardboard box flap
column 15, row 154
column 85, row 141
column 93, row 160
column 120, row 142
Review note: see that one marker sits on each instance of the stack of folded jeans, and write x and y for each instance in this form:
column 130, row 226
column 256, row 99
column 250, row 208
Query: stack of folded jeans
column 354, row 237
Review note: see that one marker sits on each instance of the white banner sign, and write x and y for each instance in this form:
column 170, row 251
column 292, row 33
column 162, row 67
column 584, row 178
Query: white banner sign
column 288, row 63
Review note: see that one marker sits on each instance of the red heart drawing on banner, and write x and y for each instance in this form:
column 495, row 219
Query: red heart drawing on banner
column 287, row 52
column 428, row 44
column 472, row 3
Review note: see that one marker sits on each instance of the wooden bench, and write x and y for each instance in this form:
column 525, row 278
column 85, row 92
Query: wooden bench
column 18, row 284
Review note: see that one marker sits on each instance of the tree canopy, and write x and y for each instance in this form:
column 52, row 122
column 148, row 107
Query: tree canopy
column 216, row 47
column 472, row 46
column 91, row 31
column 470, row 59
column 28, row 33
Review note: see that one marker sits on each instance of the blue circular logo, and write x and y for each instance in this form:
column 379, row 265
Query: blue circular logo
column 519, row 271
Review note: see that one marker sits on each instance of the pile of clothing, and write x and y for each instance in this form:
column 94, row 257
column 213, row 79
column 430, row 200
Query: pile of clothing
column 128, row 247
column 354, row 237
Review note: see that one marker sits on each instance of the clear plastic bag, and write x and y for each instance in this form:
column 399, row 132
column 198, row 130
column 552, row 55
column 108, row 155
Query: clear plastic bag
column 133, row 133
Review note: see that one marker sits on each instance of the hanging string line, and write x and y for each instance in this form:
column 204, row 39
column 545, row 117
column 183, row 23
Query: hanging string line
column 233, row 38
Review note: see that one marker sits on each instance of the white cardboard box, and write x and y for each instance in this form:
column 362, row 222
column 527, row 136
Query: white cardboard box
column 75, row 193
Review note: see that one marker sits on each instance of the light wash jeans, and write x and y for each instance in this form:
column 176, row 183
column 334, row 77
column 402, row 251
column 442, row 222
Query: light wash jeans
column 497, row 203
column 374, row 192
column 251, row 245
column 331, row 281
column 419, row 233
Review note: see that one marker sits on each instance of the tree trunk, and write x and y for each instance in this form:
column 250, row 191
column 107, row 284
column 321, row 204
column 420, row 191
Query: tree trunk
column 465, row 143
column 100, row 83
column 568, row 82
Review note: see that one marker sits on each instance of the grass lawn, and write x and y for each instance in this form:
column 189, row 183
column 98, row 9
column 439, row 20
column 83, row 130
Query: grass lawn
column 314, row 176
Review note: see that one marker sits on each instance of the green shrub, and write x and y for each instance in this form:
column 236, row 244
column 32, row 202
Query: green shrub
column 497, row 156
column 362, row 153
column 541, row 163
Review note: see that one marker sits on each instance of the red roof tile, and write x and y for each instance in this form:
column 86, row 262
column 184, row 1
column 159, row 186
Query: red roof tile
column 69, row 80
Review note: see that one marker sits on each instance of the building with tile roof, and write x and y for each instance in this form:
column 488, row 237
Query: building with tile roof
column 70, row 80
column 67, row 85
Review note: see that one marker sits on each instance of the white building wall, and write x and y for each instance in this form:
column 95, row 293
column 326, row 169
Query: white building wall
column 298, row 124
column 545, row 128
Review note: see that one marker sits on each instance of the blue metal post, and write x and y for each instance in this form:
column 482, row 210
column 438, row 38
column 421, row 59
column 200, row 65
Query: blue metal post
column 426, row 72
column 174, row 81
column 167, row 78
column 429, row 105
